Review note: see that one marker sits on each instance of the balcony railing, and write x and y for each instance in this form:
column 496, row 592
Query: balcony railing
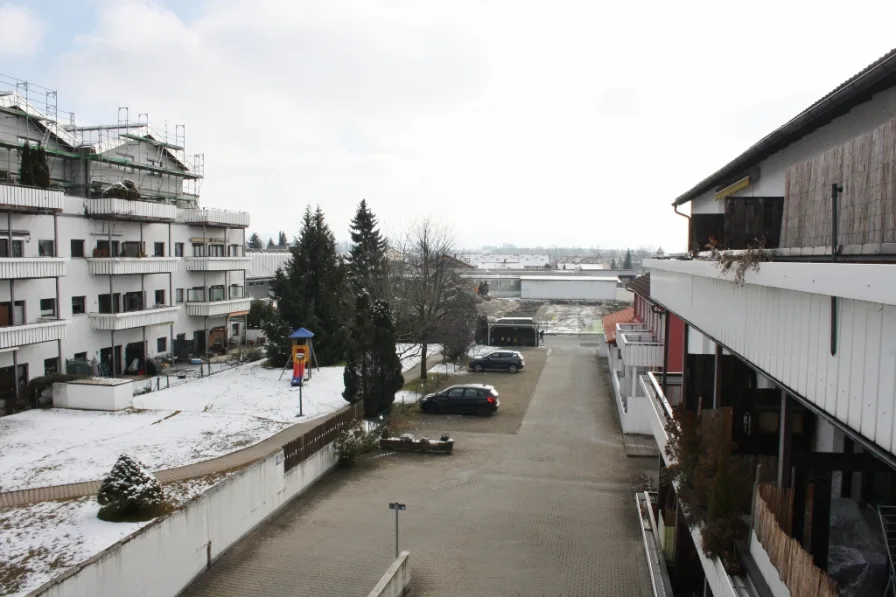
column 638, row 347
column 218, row 308
column 132, row 265
column 662, row 412
column 133, row 319
column 216, row 217
column 19, row 198
column 32, row 333
column 20, row 268
column 127, row 209
column 217, row 264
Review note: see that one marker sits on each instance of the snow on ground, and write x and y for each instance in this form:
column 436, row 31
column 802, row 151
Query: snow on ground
column 55, row 446
column 443, row 369
column 410, row 354
column 44, row 540
column 570, row 319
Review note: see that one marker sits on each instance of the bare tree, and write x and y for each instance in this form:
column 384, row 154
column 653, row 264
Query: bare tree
column 429, row 294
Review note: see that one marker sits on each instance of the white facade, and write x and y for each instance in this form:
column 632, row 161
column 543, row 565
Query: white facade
column 162, row 298
column 572, row 288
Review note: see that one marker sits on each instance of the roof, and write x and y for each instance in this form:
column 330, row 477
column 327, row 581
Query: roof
column 640, row 285
column 301, row 334
column 610, row 321
column 571, row 278
column 457, row 263
column 879, row 75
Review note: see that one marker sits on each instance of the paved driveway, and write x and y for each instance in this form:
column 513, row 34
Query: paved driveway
column 547, row 511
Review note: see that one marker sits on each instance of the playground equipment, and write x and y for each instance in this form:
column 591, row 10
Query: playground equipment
column 302, row 353
column 299, row 360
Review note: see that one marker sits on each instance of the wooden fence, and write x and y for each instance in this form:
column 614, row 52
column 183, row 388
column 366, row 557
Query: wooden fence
column 298, row 450
column 864, row 166
column 794, row 564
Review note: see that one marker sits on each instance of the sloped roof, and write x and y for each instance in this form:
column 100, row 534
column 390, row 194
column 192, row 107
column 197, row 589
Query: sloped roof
column 610, row 321
column 876, row 77
column 640, row 286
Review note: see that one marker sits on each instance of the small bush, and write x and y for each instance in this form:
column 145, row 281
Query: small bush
column 130, row 493
column 36, row 386
column 354, row 441
column 256, row 354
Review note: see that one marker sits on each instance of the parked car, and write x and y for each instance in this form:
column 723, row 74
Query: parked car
column 473, row 398
column 500, row 360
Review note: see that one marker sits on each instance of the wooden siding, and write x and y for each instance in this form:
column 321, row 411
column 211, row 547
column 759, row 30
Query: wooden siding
column 866, row 167
column 787, row 334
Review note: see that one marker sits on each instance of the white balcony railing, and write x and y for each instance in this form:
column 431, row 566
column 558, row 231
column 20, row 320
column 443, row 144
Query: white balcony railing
column 20, row 268
column 32, row 333
column 218, row 308
column 661, row 413
column 638, row 348
column 19, row 198
column 217, row 264
column 216, row 217
column 127, row 209
column 131, row 265
column 133, row 319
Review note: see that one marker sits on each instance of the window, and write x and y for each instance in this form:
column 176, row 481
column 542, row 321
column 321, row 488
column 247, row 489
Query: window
column 159, row 249
column 46, row 248
column 236, row 250
column 198, row 250
column 12, row 316
column 160, row 297
column 216, row 293
column 471, row 393
column 17, row 247
column 105, row 249
column 216, row 250
column 133, row 301
column 80, row 356
column 51, row 366
column 179, row 295
column 178, row 249
column 79, row 305
column 456, row 393
column 131, row 249
column 162, row 345
column 48, row 307
column 109, row 303
column 77, row 247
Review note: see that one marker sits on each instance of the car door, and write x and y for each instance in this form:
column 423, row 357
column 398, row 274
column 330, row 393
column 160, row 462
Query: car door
column 496, row 361
column 472, row 399
column 453, row 401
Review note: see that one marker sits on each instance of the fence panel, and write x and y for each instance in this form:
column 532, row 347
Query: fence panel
column 298, row 450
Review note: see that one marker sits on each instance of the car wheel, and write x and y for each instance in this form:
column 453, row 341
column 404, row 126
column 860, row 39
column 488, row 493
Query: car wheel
column 512, row 369
column 484, row 411
column 477, row 368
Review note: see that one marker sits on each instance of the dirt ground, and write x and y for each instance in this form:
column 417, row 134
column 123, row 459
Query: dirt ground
column 515, row 390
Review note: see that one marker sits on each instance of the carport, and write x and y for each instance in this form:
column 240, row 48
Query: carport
column 512, row 334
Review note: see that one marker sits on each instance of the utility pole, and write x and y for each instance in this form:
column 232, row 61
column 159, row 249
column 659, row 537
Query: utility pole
column 397, row 507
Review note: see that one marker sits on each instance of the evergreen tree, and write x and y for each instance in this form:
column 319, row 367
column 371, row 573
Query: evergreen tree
column 282, row 243
column 310, row 290
column 26, row 168
column 613, row 264
column 278, row 347
column 627, row 262
column 358, row 371
column 387, row 377
column 40, row 168
column 271, row 243
column 255, row 241
column 367, row 267
column 129, row 491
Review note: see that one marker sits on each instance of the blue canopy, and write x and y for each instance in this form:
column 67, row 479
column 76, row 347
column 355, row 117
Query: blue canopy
column 301, row 334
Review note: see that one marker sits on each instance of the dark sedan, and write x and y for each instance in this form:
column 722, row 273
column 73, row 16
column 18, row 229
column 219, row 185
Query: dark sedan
column 478, row 399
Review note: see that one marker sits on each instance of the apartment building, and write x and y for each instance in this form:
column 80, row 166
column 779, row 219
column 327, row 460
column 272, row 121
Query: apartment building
column 787, row 304
column 115, row 260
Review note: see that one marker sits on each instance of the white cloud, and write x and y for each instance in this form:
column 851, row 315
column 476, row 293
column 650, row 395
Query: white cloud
column 508, row 121
column 21, row 32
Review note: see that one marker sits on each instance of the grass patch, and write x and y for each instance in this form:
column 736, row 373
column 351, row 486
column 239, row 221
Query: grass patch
column 403, row 416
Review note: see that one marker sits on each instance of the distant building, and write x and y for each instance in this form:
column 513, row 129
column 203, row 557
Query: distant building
column 491, row 261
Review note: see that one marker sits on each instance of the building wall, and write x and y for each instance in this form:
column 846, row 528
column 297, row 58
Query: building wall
column 675, row 343
column 858, row 121
column 572, row 289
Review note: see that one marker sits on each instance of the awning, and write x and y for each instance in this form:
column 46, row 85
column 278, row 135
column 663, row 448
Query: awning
column 610, row 321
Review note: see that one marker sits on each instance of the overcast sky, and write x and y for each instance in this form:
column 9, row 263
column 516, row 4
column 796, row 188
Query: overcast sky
column 531, row 123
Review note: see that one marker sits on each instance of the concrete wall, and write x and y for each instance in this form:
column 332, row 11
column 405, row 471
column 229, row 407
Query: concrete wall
column 164, row 557
column 396, row 580
column 90, row 396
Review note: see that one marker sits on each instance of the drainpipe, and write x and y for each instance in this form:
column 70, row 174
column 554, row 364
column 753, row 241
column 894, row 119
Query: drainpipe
column 58, row 294
column 688, row 218
column 665, row 351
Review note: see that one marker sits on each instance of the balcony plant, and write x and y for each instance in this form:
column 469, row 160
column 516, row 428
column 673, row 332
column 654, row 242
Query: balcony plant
column 97, row 252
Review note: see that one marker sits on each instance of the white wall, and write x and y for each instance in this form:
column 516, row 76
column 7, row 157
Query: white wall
column 858, row 121
column 163, row 558
column 571, row 289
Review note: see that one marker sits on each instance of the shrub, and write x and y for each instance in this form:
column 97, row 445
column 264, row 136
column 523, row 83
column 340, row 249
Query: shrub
column 36, row 386
column 130, row 492
column 354, row 441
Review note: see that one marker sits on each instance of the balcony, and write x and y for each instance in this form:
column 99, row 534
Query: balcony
column 126, row 209
column 30, row 199
column 779, row 320
column 660, row 412
column 215, row 217
column 637, row 346
column 22, row 268
column 217, row 264
column 32, row 333
column 117, row 266
column 133, row 319
column 216, row 304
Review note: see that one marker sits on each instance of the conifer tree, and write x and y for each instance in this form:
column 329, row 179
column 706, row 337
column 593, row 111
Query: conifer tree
column 282, row 243
column 367, row 266
column 358, row 371
column 627, row 261
column 271, row 243
column 26, row 168
column 387, row 376
column 255, row 241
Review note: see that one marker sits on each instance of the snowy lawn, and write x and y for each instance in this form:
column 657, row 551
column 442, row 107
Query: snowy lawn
column 410, row 354
column 41, row 541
